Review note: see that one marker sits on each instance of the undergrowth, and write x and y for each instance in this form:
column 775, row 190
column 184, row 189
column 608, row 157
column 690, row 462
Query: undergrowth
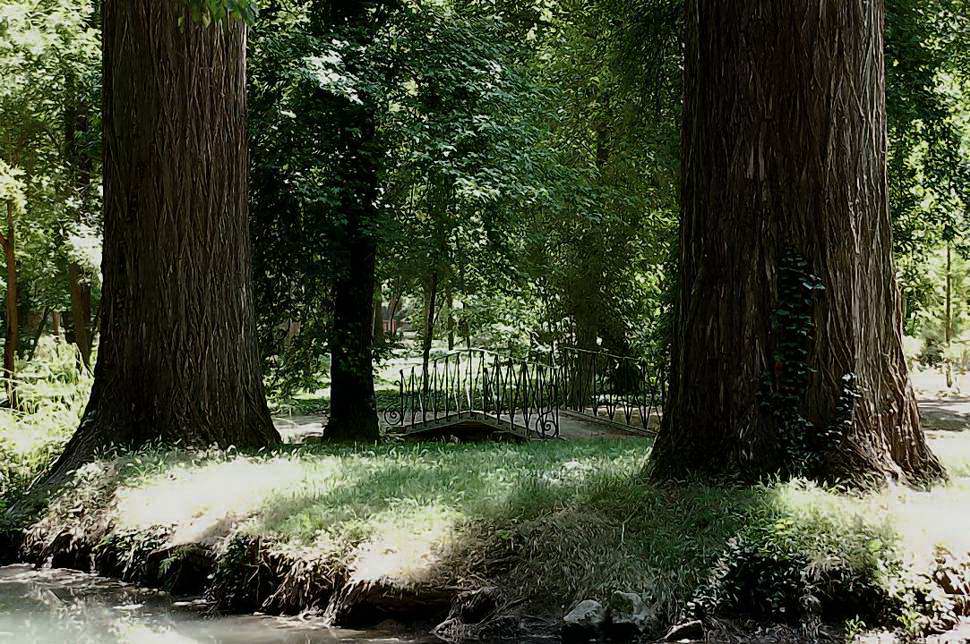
column 51, row 393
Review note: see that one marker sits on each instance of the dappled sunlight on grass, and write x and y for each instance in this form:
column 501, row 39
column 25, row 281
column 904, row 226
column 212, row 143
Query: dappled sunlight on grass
column 550, row 522
column 405, row 543
column 383, row 511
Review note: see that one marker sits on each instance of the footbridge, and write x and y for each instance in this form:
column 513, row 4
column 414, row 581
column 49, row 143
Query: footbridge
column 566, row 393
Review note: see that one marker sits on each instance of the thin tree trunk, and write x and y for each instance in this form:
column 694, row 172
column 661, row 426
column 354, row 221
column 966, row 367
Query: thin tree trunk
column 177, row 359
column 378, row 316
column 9, row 241
column 948, row 322
column 75, row 128
column 353, row 403
column 80, row 312
column 430, row 307
column 392, row 310
column 40, row 332
column 451, row 318
column 784, row 173
column 56, row 325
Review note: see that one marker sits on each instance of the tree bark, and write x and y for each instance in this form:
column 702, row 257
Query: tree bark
column 353, row 403
column 9, row 242
column 378, row 316
column 40, row 331
column 784, row 154
column 393, row 307
column 56, row 326
column 178, row 359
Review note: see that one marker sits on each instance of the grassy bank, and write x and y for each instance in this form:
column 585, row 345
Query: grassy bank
column 401, row 530
column 548, row 524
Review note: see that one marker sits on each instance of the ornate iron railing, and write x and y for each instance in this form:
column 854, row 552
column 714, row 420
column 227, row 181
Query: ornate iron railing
column 469, row 383
column 609, row 388
column 527, row 395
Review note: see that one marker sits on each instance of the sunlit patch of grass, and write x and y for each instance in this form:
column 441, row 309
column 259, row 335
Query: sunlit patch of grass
column 953, row 448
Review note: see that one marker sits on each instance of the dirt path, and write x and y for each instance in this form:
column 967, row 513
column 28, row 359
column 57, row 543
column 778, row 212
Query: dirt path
column 938, row 414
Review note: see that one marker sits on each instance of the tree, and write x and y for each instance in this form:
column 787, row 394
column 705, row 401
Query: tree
column 353, row 403
column 786, row 353
column 177, row 359
column 42, row 43
column 12, row 199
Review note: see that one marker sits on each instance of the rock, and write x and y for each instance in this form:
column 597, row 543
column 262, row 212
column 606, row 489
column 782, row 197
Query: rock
column 9, row 547
column 183, row 570
column 475, row 605
column 692, row 630
column 364, row 602
column 584, row 622
column 628, row 616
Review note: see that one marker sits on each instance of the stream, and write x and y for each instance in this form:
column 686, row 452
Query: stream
column 64, row 606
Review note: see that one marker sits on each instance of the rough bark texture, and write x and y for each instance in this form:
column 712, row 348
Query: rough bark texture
column 177, row 360
column 784, row 150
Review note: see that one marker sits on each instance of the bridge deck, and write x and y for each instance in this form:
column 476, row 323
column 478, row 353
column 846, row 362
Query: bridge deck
column 571, row 426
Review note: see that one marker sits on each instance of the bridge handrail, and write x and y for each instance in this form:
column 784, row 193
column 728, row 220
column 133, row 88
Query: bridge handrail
column 603, row 386
column 508, row 388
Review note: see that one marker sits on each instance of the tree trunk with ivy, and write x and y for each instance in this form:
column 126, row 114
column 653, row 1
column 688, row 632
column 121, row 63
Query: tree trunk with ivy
column 177, row 359
column 787, row 347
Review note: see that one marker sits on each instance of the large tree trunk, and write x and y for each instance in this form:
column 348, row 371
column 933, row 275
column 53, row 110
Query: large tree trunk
column 8, row 239
column 178, row 359
column 784, row 178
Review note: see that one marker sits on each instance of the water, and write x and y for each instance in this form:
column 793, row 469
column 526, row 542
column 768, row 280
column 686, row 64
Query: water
column 64, row 606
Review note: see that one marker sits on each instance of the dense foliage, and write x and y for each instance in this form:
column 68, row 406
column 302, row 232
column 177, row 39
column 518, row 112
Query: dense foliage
column 529, row 169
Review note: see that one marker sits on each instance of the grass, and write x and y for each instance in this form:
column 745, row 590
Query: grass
column 550, row 523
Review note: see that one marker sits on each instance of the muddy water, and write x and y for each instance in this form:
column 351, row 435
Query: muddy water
column 63, row 606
